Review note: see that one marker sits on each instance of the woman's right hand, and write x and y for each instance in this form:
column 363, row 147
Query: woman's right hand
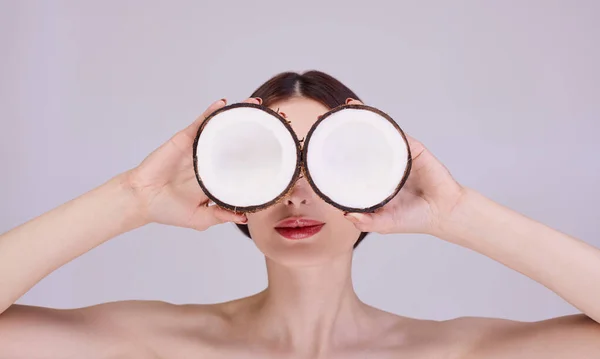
column 166, row 187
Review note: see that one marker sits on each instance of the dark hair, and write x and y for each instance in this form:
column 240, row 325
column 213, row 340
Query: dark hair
column 312, row 84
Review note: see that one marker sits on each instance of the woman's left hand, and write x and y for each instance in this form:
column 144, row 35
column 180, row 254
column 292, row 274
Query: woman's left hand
column 429, row 194
column 432, row 202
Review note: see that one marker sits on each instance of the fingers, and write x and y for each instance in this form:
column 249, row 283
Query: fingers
column 193, row 128
column 255, row 100
column 351, row 101
column 416, row 147
column 190, row 132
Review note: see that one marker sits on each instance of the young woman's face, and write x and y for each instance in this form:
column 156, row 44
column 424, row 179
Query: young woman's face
column 337, row 235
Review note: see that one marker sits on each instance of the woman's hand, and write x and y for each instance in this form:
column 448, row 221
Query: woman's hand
column 429, row 194
column 166, row 186
column 432, row 202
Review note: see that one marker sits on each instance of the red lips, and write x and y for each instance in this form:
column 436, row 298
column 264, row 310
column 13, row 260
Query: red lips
column 297, row 222
column 298, row 227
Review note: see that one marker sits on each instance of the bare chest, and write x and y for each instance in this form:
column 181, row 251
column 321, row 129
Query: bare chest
column 227, row 349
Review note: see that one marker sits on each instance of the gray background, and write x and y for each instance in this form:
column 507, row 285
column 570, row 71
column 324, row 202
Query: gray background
column 505, row 93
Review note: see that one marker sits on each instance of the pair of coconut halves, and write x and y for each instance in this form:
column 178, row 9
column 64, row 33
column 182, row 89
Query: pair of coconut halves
column 247, row 157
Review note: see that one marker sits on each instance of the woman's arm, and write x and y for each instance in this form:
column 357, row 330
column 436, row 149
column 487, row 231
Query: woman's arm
column 433, row 202
column 565, row 265
column 33, row 250
column 162, row 189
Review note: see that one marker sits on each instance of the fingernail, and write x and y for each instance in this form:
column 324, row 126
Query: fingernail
column 349, row 99
column 260, row 101
column 224, row 100
column 244, row 219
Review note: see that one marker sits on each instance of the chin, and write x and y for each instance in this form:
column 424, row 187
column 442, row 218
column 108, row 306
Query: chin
column 312, row 251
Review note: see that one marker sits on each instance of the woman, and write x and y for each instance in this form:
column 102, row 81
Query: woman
column 309, row 309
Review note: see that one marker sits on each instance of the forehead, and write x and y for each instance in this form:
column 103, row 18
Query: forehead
column 301, row 111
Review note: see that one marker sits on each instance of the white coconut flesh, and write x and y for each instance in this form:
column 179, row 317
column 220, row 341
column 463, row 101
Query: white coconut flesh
column 246, row 156
column 357, row 158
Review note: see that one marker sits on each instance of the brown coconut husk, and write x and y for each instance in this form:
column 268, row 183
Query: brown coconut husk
column 255, row 208
column 323, row 195
column 301, row 164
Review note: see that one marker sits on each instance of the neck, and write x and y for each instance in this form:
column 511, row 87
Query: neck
column 311, row 308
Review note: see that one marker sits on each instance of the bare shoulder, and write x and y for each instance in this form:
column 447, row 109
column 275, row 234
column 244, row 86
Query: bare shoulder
column 163, row 328
column 571, row 336
column 115, row 329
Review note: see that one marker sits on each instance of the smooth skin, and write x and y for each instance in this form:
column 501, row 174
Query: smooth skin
column 309, row 309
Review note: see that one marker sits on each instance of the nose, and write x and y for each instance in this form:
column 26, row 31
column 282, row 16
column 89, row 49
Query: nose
column 300, row 195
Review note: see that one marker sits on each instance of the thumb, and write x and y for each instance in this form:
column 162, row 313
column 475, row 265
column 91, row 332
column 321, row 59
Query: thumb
column 224, row 215
column 208, row 216
column 362, row 221
column 380, row 222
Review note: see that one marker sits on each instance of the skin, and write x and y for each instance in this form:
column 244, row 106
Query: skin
column 309, row 309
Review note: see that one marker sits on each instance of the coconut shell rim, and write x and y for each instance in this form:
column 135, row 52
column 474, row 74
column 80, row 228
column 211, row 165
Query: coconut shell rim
column 326, row 198
column 253, row 208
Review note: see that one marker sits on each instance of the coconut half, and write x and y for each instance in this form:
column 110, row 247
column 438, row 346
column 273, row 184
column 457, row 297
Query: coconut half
column 356, row 158
column 246, row 157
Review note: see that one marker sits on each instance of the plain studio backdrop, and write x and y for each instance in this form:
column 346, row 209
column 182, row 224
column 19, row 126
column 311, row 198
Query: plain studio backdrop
column 505, row 93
